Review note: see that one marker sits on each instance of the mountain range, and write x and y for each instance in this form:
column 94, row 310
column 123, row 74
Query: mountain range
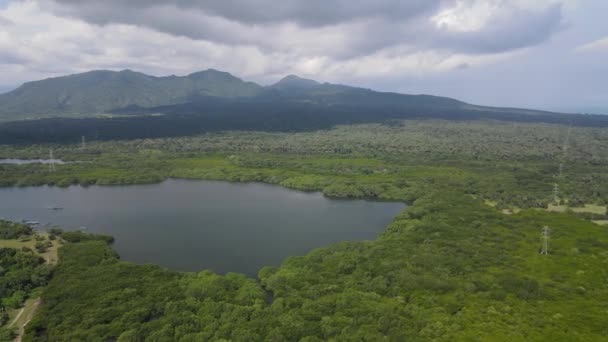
column 126, row 104
column 104, row 91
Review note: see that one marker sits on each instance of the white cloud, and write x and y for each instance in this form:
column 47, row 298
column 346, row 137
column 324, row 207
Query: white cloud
column 375, row 42
column 465, row 16
column 596, row 45
column 44, row 40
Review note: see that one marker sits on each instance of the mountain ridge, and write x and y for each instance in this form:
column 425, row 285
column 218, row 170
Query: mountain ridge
column 96, row 92
column 99, row 91
column 102, row 91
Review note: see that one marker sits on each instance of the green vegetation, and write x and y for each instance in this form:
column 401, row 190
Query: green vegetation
column 13, row 230
column 106, row 105
column 98, row 91
column 46, row 245
column 78, row 236
column 448, row 268
column 514, row 165
column 21, row 271
column 451, row 267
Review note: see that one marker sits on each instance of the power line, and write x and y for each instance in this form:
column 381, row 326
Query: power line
column 555, row 192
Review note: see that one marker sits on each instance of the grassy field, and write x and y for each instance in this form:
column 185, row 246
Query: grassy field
column 19, row 318
column 50, row 255
column 587, row 208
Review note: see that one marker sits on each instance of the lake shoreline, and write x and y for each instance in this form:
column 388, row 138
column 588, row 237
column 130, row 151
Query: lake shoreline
column 189, row 222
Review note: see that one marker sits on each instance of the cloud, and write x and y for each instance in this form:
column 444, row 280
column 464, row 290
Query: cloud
column 497, row 29
column 338, row 41
column 312, row 13
column 5, row 22
column 340, row 29
column 596, row 45
column 456, row 48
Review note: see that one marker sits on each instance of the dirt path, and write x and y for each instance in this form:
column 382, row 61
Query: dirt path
column 30, row 311
column 17, row 317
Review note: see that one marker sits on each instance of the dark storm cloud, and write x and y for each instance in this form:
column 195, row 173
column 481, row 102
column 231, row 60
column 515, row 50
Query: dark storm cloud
column 306, row 13
column 358, row 28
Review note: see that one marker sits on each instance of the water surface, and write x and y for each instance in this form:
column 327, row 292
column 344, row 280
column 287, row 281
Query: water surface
column 194, row 225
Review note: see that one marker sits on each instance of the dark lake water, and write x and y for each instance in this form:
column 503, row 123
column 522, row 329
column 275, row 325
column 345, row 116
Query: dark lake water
column 193, row 225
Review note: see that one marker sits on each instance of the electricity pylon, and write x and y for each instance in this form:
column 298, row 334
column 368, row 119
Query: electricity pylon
column 51, row 161
column 545, row 239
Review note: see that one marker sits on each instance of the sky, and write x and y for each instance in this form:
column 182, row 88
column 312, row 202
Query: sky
column 545, row 54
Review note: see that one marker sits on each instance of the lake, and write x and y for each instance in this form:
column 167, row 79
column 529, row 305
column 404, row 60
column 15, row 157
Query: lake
column 192, row 225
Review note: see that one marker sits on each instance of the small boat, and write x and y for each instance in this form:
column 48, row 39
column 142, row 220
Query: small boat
column 54, row 207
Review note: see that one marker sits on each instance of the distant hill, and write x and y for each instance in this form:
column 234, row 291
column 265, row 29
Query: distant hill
column 96, row 92
column 142, row 106
column 100, row 91
column 293, row 82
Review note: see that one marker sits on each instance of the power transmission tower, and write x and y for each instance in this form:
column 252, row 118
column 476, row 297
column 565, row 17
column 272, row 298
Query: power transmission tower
column 51, row 161
column 560, row 177
column 555, row 193
column 545, row 238
column 567, row 141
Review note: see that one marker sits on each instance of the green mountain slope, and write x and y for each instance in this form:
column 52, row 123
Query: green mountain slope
column 304, row 90
column 293, row 82
column 99, row 91
column 245, row 104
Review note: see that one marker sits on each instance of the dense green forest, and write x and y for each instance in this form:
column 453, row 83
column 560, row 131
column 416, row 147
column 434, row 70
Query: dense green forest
column 462, row 262
column 514, row 165
column 215, row 115
column 13, row 230
column 447, row 268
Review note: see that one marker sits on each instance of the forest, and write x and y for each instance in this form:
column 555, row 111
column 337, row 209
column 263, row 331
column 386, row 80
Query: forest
column 514, row 165
column 448, row 268
column 269, row 115
column 461, row 263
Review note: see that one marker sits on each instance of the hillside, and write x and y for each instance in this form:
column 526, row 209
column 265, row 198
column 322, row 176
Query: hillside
column 136, row 105
column 98, row 91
